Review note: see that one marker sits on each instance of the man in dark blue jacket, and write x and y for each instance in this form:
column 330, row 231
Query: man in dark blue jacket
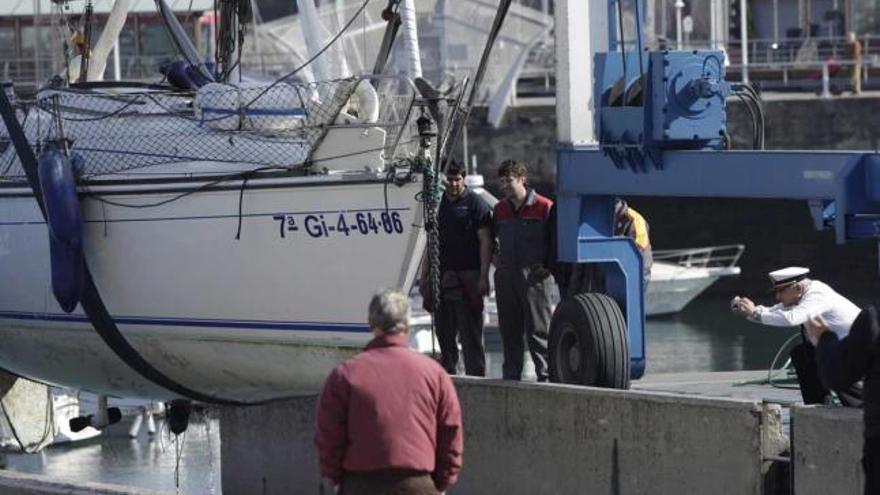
column 465, row 223
column 843, row 362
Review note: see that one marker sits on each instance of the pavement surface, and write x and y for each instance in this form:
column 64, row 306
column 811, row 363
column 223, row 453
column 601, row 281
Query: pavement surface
column 749, row 385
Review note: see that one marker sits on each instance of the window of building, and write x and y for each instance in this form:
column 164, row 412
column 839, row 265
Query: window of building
column 7, row 42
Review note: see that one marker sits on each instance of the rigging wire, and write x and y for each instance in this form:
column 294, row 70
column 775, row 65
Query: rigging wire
column 203, row 187
column 754, row 119
column 48, row 432
column 230, row 40
column 313, row 57
column 749, row 97
column 753, row 96
column 622, row 47
column 241, row 205
column 179, row 441
column 639, row 44
column 114, row 113
column 231, row 177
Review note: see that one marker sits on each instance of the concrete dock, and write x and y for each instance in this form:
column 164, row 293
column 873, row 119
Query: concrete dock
column 670, row 434
column 748, row 385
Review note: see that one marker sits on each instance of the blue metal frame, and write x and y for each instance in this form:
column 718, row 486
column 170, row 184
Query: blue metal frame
column 584, row 229
column 666, row 140
column 850, row 181
column 588, row 180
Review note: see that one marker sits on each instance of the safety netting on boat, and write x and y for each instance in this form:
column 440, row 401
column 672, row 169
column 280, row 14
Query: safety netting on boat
column 278, row 125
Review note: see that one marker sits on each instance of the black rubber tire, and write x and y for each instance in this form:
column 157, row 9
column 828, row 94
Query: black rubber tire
column 589, row 344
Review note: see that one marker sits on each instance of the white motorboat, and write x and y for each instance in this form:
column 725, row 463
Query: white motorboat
column 678, row 276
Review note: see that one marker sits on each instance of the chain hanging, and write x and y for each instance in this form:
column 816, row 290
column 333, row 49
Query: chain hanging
column 431, row 198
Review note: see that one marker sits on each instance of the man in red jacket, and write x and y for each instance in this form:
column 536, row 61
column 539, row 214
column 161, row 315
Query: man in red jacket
column 389, row 419
column 523, row 285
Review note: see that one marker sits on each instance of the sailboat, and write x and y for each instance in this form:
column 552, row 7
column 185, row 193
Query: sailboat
column 216, row 240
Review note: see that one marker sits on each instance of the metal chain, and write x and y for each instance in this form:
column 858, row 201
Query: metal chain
column 431, row 198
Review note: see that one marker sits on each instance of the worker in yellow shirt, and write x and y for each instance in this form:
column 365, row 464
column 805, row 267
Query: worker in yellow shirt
column 628, row 222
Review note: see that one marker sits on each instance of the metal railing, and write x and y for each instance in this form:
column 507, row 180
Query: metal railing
column 825, row 77
column 708, row 257
column 116, row 131
column 789, row 50
column 784, row 60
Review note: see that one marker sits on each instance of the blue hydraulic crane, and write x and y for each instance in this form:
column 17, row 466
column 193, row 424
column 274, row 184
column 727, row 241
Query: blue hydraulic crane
column 660, row 129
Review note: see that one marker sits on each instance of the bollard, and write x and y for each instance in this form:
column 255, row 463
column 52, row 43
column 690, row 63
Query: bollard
column 135, row 427
column 826, row 91
column 151, row 423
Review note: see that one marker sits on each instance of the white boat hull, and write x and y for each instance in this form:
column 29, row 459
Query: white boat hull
column 672, row 287
column 250, row 319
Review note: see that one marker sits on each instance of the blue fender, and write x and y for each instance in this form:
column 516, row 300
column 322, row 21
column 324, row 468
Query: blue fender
column 182, row 75
column 65, row 223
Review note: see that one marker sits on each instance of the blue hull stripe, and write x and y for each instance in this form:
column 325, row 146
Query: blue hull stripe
column 294, row 111
column 197, row 322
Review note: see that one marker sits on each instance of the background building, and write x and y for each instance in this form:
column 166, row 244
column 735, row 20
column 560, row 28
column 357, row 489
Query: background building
column 33, row 34
column 788, row 41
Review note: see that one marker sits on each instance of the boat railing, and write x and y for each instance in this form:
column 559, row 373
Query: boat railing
column 399, row 107
column 397, row 115
column 115, row 129
column 707, row 257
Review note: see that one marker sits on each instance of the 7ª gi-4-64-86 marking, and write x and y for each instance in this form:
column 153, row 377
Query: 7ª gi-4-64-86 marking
column 341, row 224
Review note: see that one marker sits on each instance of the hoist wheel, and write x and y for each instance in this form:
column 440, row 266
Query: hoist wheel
column 588, row 342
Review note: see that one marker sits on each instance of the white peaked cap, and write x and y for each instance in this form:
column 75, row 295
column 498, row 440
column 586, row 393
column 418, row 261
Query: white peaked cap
column 787, row 276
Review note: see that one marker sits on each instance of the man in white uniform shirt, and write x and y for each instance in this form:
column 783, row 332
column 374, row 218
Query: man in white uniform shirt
column 800, row 298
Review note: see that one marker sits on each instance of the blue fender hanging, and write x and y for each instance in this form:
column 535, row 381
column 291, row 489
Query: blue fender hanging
column 91, row 301
column 65, row 226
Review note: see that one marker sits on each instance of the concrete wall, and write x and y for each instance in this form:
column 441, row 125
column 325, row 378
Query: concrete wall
column 269, row 449
column 12, row 483
column 531, row 439
column 826, row 450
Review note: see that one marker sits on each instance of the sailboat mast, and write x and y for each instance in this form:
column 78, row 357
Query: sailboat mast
column 411, row 39
column 86, row 46
column 233, row 17
column 109, row 40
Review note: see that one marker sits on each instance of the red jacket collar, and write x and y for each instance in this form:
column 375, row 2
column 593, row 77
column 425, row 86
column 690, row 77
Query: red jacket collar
column 388, row 340
column 529, row 201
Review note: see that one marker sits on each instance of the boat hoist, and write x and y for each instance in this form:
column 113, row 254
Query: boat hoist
column 658, row 128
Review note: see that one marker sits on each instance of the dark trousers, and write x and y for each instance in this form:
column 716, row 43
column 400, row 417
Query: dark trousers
column 387, row 482
column 813, row 391
column 456, row 318
column 524, row 309
column 871, row 465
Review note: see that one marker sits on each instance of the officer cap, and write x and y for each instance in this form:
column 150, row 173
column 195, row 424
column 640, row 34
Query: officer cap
column 785, row 277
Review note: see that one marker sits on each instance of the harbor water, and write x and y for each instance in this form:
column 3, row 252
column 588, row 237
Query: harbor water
column 704, row 337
